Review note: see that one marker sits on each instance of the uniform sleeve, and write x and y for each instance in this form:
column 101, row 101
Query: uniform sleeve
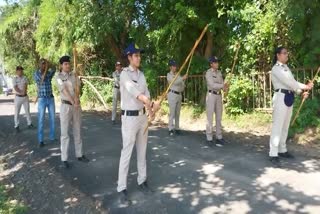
column 129, row 85
column 59, row 83
column 211, row 83
column 177, row 81
column 147, row 92
column 287, row 79
column 14, row 82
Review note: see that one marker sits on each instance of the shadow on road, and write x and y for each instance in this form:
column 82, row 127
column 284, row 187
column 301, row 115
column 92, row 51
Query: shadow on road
column 187, row 175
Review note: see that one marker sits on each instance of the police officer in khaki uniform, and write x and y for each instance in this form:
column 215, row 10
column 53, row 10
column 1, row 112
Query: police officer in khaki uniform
column 175, row 97
column 116, row 90
column 285, row 86
column 135, row 103
column 215, row 85
column 20, row 85
column 70, row 111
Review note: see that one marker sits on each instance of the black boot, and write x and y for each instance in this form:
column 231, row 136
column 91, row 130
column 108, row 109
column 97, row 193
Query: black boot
column 124, row 198
column 275, row 161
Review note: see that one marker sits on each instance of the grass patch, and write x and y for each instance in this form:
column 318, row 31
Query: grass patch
column 248, row 120
column 8, row 205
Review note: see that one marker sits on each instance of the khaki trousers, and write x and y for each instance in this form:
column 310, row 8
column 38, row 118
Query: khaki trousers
column 214, row 105
column 69, row 115
column 18, row 102
column 174, row 101
column 133, row 134
column 280, row 125
column 115, row 99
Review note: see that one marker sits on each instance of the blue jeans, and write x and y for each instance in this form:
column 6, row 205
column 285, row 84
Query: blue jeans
column 44, row 103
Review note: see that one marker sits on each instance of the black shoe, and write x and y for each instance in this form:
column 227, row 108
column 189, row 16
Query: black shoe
column 41, row 144
column 171, row 132
column 209, row 142
column 224, row 141
column 17, row 129
column 66, row 164
column 113, row 122
column 124, row 198
column 286, row 155
column 178, row 132
column 219, row 142
column 275, row 161
column 83, row 159
column 145, row 188
column 31, row 126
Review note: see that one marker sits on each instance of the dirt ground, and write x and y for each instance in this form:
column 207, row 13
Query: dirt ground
column 187, row 175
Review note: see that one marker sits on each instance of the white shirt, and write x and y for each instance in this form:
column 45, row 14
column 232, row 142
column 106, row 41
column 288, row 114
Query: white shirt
column 282, row 78
column 214, row 80
column 178, row 84
column 66, row 80
column 21, row 83
column 116, row 78
column 132, row 84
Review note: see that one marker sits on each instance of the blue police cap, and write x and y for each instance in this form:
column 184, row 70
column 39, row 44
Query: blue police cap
column 213, row 59
column 64, row 59
column 132, row 48
column 172, row 62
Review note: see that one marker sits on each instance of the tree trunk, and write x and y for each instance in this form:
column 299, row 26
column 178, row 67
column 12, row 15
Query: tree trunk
column 209, row 45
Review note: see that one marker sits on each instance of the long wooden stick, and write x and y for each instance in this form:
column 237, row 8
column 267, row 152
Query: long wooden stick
column 304, row 99
column 96, row 77
column 184, row 63
column 189, row 63
column 75, row 63
column 235, row 58
column 162, row 97
column 97, row 92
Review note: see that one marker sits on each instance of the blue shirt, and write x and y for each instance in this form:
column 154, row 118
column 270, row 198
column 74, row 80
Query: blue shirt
column 45, row 87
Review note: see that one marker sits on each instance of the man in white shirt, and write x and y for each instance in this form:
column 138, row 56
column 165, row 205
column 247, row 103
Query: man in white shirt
column 20, row 85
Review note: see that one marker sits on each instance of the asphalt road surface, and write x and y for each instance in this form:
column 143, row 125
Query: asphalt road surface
column 187, row 175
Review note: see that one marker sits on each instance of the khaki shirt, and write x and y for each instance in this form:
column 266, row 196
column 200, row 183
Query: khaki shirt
column 178, row 84
column 116, row 78
column 132, row 84
column 214, row 80
column 21, row 83
column 68, row 81
column 282, row 78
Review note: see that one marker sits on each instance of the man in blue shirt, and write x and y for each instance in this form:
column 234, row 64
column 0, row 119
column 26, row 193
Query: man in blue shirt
column 43, row 79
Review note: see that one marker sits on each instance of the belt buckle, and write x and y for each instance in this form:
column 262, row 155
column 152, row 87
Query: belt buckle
column 140, row 112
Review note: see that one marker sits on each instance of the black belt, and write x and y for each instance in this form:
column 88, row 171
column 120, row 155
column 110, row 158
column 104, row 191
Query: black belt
column 132, row 113
column 49, row 96
column 66, row 102
column 285, row 91
column 214, row 92
column 117, row 87
column 18, row 95
column 175, row 92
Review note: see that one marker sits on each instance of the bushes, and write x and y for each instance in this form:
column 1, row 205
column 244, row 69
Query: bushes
column 239, row 97
column 89, row 97
column 7, row 205
column 308, row 116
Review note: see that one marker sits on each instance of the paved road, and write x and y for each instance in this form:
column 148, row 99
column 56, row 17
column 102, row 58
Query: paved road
column 187, row 175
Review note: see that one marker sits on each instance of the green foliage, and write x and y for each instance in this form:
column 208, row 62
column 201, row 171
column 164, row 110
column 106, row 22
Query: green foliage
column 197, row 110
column 89, row 97
column 239, row 98
column 308, row 117
column 9, row 206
